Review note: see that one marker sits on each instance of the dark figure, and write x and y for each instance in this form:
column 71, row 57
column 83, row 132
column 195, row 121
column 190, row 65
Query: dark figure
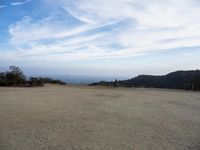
column 116, row 83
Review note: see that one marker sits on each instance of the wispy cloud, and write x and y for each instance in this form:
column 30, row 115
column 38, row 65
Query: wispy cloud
column 20, row 2
column 138, row 27
column 2, row 6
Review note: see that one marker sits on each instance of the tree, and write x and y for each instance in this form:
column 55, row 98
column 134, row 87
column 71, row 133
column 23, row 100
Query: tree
column 15, row 76
column 2, row 79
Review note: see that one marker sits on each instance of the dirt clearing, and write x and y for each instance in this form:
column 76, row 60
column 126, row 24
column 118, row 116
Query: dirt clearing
column 98, row 118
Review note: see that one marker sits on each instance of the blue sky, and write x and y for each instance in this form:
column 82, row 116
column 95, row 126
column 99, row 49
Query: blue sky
column 100, row 37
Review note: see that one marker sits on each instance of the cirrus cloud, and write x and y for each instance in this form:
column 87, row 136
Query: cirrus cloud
column 114, row 29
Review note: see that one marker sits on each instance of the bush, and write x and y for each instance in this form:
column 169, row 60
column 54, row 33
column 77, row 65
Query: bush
column 51, row 81
column 33, row 81
column 196, row 81
column 16, row 77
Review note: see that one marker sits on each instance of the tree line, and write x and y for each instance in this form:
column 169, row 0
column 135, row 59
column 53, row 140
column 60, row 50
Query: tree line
column 15, row 77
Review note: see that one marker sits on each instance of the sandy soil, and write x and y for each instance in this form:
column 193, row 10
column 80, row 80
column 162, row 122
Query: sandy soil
column 97, row 118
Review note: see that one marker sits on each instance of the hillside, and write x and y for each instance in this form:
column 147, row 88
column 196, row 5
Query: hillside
column 176, row 80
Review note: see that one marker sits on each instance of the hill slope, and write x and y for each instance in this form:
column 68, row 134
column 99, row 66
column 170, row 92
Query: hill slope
column 176, row 80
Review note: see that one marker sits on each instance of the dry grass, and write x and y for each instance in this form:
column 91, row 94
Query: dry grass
column 98, row 118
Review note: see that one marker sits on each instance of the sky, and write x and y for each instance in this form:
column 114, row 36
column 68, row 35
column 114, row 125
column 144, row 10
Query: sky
column 100, row 37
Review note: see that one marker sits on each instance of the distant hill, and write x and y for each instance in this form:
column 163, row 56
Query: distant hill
column 189, row 80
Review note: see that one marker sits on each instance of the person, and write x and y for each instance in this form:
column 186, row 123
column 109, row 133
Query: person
column 115, row 83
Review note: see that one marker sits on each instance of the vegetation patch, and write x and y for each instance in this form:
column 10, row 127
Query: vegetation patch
column 15, row 77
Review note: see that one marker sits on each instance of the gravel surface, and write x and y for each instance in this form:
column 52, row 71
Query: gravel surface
column 98, row 118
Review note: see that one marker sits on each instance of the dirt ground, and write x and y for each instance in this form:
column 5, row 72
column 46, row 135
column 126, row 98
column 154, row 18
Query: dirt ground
column 98, row 118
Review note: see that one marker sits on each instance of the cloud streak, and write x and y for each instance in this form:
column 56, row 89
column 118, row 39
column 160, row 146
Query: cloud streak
column 2, row 6
column 118, row 29
column 20, row 2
